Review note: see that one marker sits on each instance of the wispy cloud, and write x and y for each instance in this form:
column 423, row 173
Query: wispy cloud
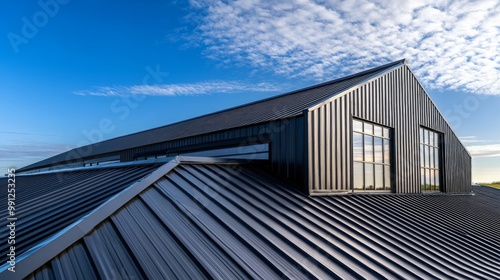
column 481, row 150
column 181, row 89
column 32, row 150
column 492, row 150
column 473, row 139
column 450, row 44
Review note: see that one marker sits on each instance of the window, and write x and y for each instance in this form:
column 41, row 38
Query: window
column 371, row 156
column 429, row 160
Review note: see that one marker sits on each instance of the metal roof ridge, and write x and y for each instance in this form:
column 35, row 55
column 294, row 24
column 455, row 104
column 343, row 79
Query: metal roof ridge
column 439, row 111
column 42, row 253
column 390, row 67
column 401, row 61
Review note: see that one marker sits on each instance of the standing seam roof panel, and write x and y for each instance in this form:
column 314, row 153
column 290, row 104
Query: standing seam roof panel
column 213, row 216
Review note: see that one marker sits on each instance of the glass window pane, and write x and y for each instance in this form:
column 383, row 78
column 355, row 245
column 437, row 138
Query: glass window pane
column 377, row 130
column 421, row 135
column 386, row 132
column 436, row 140
column 422, row 156
column 387, row 152
column 422, row 179
column 432, row 180
column 426, row 136
column 431, row 157
column 431, row 138
column 368, row 148
column 357, row 126
column 387, row 177
column 426, row 156
column 427, row 179
column 368, row 128
column 379, row 156
column 369, row 181
column 436, row 158
column 357, row 147
column 358, row 176
column 379, row 177
column 437, row 181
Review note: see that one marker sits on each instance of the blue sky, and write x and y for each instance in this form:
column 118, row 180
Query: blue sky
column 76, row 72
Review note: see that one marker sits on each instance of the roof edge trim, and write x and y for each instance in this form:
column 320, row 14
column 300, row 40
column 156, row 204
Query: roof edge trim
column 392, row 66
column 102, row 166
column 37, row 256
column 439, row 111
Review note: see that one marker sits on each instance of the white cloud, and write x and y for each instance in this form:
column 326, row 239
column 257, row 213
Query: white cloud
column 180, row 89
column 477, row 149
column 450, row 44
column 492, row 150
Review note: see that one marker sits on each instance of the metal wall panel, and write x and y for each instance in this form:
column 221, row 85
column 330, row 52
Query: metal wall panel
column 395, row 100
column 287, row 139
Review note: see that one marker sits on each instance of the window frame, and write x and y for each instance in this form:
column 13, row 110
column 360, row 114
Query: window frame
column 430, row 160
column 376, row 133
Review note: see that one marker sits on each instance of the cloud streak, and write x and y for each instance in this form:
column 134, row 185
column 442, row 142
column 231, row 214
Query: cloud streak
column 492, row 150
column 28, row 151
column 450, row 44
column 180, row 89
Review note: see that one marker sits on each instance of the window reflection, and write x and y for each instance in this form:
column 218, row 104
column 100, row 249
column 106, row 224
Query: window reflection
column 371, row 156
column 369, row 181
column 379, row 156
column 358, row 175
column 387, row 177
column 357, row 126
column 386, row 151
column 369, row 148
column 357, row 147
column 368, row 128
column 379, row 177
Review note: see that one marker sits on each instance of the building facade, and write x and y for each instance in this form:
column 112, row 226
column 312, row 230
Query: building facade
column 374, row 131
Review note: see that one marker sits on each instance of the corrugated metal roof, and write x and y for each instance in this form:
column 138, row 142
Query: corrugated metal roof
column 274, row 108
column 47, row 203
column 237, row 221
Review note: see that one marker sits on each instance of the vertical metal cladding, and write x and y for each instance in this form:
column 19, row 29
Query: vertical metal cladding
column 288, row 149
column 398, row 101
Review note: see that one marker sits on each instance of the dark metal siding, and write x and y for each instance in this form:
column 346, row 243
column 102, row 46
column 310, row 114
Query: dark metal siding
column 233, row 221
column 287, row 138
column 47, row 203
column 398, row 101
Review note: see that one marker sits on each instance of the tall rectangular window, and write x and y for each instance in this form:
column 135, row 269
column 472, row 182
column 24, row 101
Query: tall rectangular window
column 429, row 160
column 371, row 156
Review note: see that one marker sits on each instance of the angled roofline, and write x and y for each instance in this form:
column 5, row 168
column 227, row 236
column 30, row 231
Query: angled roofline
column 396, row 64
column 269, row 98
column 43, row 252
column 439, row 111
column 393, row 66
column 47, row 161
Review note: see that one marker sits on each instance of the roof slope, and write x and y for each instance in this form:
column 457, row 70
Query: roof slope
column 274, row 108
column 235, row 221
column 47, row 203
